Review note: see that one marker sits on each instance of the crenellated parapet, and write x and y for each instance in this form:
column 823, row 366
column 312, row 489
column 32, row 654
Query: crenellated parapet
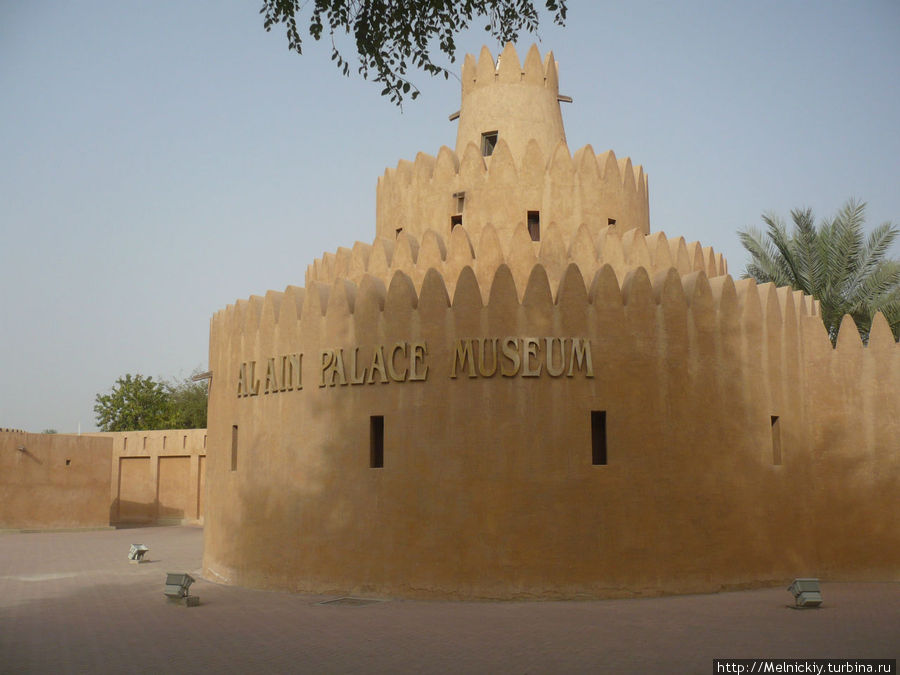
column 448, row 253
column 511, row 164
column 519, row 101
column 333, row 309
column 587, row 188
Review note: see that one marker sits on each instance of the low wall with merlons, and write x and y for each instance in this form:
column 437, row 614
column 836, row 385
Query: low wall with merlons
column 157, row 476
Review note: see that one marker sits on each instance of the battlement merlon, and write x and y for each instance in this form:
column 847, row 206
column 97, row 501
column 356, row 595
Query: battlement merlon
column 518, row 101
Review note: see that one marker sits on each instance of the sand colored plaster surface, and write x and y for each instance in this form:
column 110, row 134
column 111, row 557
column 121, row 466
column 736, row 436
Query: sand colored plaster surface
column 53, row 481
column 473, row 411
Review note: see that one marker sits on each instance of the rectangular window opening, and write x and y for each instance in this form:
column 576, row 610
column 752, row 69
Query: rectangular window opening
column 459, row 201
column 184, row 442
column 776, row 441
column 598, row 437
column 125, row 443
column 145, row 442
column 610, row 221
column 204, row 440
column 376, row 441
column 234, row 446
column 488, row 143
column 164, row 442
column 534, row 225
column 68, row 462
column 454, row 221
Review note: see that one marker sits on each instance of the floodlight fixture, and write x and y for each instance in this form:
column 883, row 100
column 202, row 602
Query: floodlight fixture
column 137, row 553
column 178, row 589
column 807, row 594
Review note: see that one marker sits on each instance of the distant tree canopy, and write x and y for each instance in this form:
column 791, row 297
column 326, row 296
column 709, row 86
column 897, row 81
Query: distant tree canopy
column 390, row 35
column 137, row 403
column 846, row 271
column 187, row 404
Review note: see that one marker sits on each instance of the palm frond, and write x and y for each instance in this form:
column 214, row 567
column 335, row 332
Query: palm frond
column 873, row 253
column 877, row 287
column 804, row 244
column 846, row 271
column 764, row 265
column 841, row 247
column 781, row 250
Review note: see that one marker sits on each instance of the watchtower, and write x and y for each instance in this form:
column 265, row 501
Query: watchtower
column 508, row 100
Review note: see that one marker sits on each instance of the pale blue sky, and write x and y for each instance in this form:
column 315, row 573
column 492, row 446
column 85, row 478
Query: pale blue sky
column 159, row 160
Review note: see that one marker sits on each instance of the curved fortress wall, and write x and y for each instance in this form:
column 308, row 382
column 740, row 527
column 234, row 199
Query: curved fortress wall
column 469, row 412
column 488, row 487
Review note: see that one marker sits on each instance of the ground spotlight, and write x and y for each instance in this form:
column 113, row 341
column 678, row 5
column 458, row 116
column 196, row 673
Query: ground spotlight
column 177, row 589
column 137, row 553
column 806, row 593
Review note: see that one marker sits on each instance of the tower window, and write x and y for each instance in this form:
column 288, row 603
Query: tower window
column 234, row 441
column 488, row 143
column 398, row 231
column 610, row 221
column 598, row 437
column 776, row 441
column 459, row 199
column 376, row 441
column 455, row 220
column 534, row 225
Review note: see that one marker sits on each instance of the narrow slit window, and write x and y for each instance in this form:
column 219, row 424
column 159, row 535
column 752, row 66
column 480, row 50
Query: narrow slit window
column 488, row 143
column 454, row 221
column 376, row 441
column 534, row 225
column 598, row 437
column 398, row 231
column 145, row 443
column 125, row 443
column 184, row 442
column 234, row 447
column 164, row 442
column 204, row 440
column 610, row 221
column 776, row 441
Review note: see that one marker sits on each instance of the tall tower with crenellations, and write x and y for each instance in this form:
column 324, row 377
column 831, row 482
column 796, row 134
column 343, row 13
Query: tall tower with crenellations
column 518, row 102
column 511, row 164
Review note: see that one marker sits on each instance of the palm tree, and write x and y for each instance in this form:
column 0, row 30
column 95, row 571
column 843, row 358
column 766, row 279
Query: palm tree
column 837, row 264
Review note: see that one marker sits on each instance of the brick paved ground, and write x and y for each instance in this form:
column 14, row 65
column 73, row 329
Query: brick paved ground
column 71, row 603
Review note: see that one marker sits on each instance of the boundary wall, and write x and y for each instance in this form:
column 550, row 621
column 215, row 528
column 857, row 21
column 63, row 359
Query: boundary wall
column 53, row 481
column 157, row 476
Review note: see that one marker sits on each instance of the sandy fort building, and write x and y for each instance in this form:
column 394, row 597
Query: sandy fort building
column 519, row 390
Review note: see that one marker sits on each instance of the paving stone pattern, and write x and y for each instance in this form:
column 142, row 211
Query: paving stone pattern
column 70, row 602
